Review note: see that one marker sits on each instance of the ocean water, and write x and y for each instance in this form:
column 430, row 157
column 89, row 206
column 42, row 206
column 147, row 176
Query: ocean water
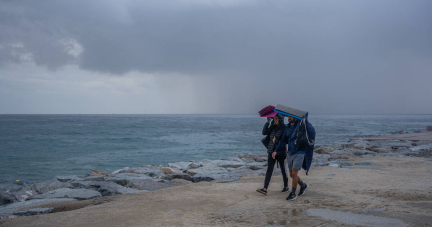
column 34, row 148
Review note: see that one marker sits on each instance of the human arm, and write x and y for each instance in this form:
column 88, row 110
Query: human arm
column 266, row 128
column 281, row 142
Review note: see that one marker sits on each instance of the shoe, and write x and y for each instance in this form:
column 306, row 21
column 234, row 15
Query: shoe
column 303, row 190
column 285, row 190
column 291, row 196
column 262, row 191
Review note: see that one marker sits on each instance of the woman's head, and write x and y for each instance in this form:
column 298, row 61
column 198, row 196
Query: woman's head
column 278, row 119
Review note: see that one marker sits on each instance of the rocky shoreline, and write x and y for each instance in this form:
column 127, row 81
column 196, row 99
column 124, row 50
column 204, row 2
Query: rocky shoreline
column 17, row 198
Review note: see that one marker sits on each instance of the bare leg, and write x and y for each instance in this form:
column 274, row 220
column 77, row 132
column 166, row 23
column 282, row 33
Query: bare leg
column 295, row 177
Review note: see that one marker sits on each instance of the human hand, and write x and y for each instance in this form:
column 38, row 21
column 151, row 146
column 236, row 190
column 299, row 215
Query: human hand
column 268, row 120
column 274, row 139
column 274, row 155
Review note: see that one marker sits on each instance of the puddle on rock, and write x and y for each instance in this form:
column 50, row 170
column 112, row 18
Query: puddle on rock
column 355, row 219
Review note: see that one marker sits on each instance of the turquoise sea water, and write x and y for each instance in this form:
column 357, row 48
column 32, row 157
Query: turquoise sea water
column 35, row 148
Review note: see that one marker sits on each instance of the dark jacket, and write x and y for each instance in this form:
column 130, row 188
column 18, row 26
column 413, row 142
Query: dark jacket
column 285, row 137
column 292, row 147
column 274, row 131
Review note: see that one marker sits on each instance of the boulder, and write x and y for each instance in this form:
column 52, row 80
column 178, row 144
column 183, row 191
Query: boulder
column 252, row 157
column 180, row 182
column 194, row 165
column 169, row 170
column 258, row 164
column 414, row 154
column 335, row 163
column 421, row 148
column 7, row 198
column 68, row 178
column 111, row 188
column 35, row 211
column 345, row 164
column 81, row 184
column 429, row 128
column 120, row 170
column 260, row 159
column 338, row 157
column 94, row 178
column 147, row 170
column 183, row 176
column 246, row 160
column 360, row 144
column 320, row 159
column 148, row 185
column 183, row 166
column 96, row 172
column 390, row 155
column 11, row 208
column 364, row 163
column 124, row 178
column 211, row 177
column 79, row 194
column 256, row 167
column 368, row 211
column 230, row 164
column 322, row 151
column 235, row 159
column 13, row 192
column 207, row 170
column 50, row 186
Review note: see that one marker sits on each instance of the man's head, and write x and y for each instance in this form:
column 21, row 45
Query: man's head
column 291, row 120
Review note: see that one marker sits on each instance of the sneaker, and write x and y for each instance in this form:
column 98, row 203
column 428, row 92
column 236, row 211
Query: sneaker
column 262, row 191
column 285, row 190
column 291, row 196
column 303, row 190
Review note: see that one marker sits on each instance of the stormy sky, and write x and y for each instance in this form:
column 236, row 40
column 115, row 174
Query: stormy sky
column 215, row 56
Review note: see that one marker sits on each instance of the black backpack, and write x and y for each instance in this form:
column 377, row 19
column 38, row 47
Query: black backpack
column 303, row 139
column 266, row 140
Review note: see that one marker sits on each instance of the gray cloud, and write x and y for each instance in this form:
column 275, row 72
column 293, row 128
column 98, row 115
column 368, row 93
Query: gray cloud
column 317, row 54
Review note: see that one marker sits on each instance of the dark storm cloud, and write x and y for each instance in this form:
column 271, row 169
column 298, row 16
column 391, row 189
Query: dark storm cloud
column 244, row 37
column 341, row 51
